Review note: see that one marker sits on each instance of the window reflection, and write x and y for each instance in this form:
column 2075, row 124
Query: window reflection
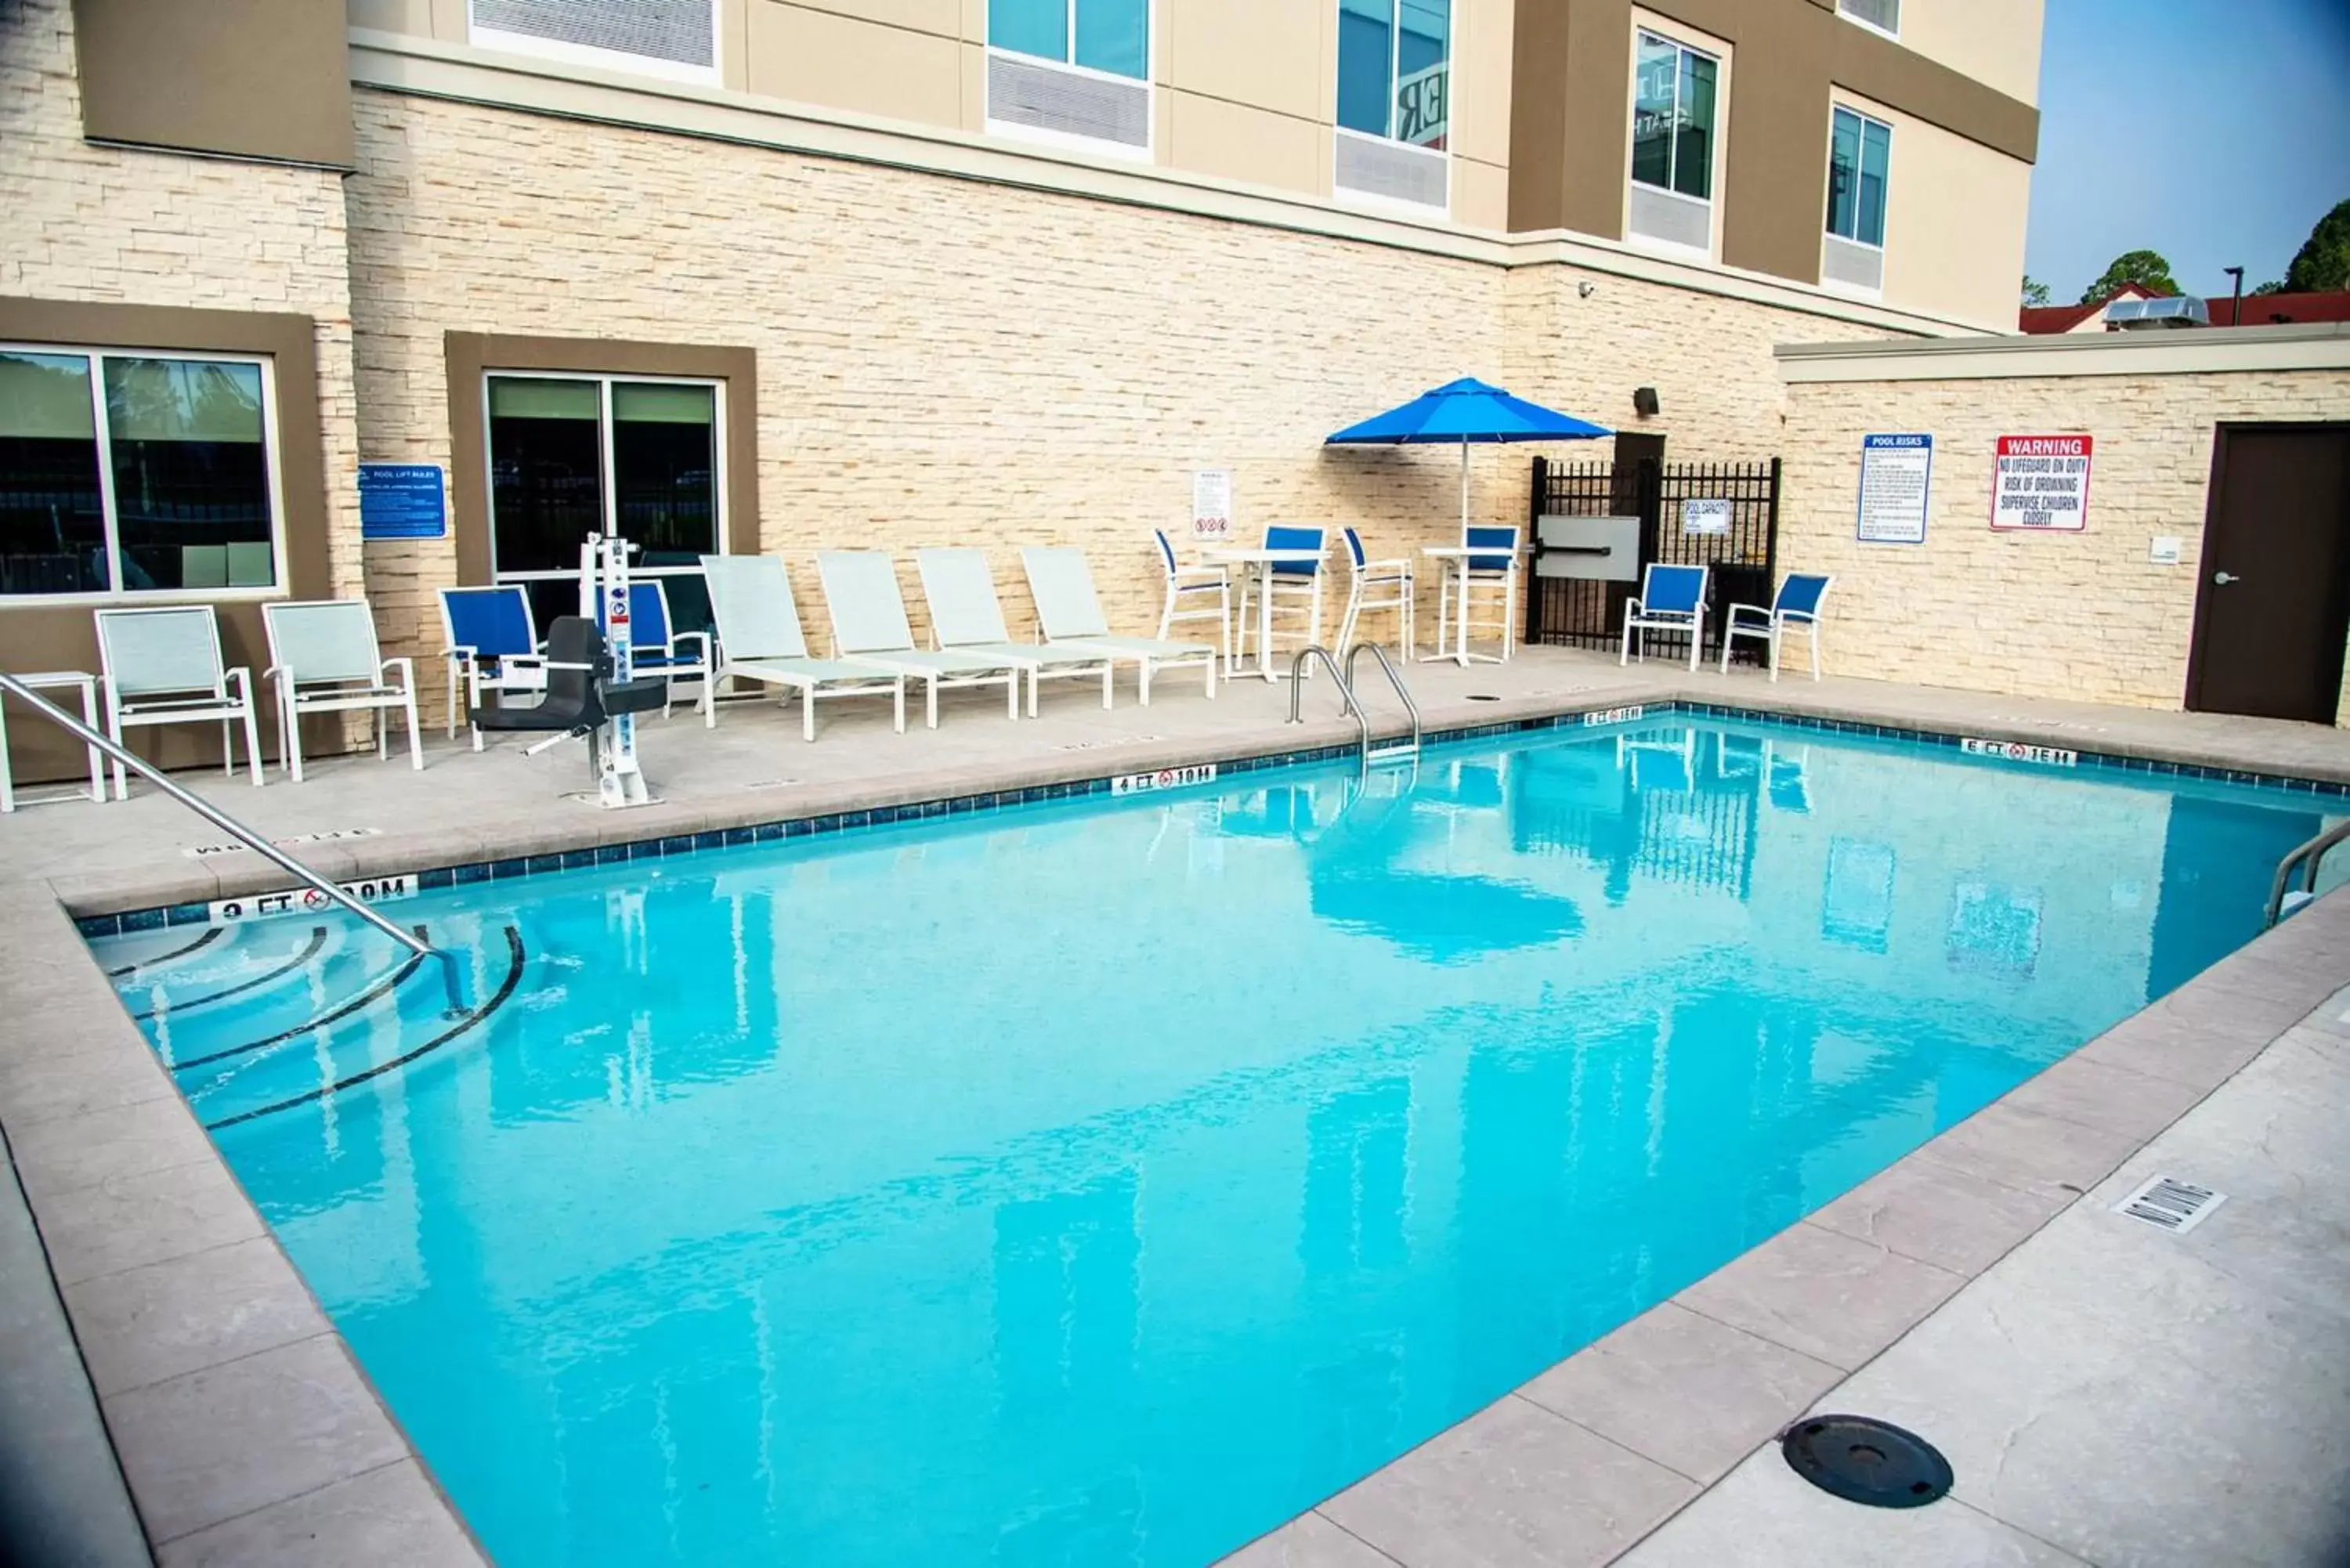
column 52, row 516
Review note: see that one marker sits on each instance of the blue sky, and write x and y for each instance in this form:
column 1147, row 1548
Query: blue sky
column 2213, row 132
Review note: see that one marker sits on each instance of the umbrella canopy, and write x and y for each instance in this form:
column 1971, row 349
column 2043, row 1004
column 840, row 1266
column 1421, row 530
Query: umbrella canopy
column 1470, row 412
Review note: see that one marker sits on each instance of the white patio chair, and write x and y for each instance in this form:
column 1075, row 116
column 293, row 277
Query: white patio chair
column 323, row 658
column 967, row 617
column 1190, row 589
column 163, row 666
column 1498, row 573
column 869, row 627
column 1795, row 606
column 1069, row 615
column 759, row 640
column 1375, row 585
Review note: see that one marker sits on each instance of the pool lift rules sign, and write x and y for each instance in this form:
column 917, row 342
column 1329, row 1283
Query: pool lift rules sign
column 2041, row 483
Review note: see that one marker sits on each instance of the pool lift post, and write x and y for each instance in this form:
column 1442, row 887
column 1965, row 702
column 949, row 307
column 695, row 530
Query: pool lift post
column 604, row 584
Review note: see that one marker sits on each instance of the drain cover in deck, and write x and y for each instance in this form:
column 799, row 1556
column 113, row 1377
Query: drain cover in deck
column 1864, row 1461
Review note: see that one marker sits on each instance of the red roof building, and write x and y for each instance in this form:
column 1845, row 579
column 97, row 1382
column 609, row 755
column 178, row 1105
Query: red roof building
column 2278, row 309
column 2037, row 319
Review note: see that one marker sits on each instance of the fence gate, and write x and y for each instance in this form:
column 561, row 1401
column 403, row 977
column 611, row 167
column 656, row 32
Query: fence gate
column 1596, row 525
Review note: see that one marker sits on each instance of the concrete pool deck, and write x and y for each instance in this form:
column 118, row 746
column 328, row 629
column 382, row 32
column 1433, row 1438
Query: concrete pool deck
column 248, row 1435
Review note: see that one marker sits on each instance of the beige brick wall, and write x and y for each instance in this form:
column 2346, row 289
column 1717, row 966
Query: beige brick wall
column 2082, row 614
column 99, row 224
column 946, row 362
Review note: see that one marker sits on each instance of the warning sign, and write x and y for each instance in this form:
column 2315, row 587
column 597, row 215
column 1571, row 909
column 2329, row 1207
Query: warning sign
column 2042, row 482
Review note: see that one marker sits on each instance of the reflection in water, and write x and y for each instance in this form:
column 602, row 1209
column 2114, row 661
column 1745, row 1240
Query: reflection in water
column 1103, row 1184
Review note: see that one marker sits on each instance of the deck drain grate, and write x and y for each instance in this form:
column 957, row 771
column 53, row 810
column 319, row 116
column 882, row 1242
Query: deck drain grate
column 1482, row 697
column 1862, row 1459
column 2176, row 1206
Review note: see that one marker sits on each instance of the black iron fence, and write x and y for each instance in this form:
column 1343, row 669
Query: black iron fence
column 1721, row 515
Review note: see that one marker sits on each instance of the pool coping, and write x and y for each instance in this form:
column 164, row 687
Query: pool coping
column 261, row 1438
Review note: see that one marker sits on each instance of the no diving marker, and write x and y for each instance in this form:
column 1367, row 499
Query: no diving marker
column 1165, row 778
column 310, row 900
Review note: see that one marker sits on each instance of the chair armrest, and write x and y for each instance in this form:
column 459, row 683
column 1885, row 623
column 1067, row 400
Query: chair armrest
column 1634, row 607
column 531, row 662
column 463, row 653
column 407, row 667
column 702, row 640
column 241, row 678
column 273, row 671
column 1733, row 611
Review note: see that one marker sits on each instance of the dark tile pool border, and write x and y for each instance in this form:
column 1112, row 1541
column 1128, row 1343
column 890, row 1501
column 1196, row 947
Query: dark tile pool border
column 1595, row 715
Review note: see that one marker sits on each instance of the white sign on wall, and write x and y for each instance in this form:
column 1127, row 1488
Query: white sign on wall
column 1211, row 506
column 1896, row 473
column 1705, row 516
column 2042, row 482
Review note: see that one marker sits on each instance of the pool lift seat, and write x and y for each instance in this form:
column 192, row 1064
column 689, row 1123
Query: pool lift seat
column 581, row 697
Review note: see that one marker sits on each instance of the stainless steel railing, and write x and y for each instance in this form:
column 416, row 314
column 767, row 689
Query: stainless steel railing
column 212, row 814
column 1346, row 693
column 1411, row 748
column 2305, row 858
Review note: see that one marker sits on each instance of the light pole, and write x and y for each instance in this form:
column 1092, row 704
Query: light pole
column 2236, row 308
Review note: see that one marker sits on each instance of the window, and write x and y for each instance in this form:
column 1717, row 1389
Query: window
column 132, row 473
column 574, row 455
column 1860, row 148
column 1672, row 117
column 1108, row 36
column 674, row 39
column 1394, row 70
column 1883, row 15
column 1395, row 100
column 1071, row 72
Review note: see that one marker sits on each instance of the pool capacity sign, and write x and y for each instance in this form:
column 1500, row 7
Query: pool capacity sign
column 2042, row 482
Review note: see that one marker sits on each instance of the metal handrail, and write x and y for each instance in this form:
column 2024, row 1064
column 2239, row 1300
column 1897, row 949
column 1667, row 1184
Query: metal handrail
column 1297, row 692
column 1394, row 680
column 2308, row 855
column 210, row 813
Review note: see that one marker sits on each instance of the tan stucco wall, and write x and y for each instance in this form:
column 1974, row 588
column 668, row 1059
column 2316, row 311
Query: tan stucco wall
column 2082, row 614
column 1997, row 42
column 110, row 225
column 1954, row 219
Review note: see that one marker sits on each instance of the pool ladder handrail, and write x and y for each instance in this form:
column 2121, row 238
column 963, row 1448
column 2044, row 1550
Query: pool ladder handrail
column 212, row 814
column 2283, row 897
column 1367, row 754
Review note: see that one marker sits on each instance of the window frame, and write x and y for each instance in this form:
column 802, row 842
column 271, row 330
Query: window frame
column 1045, row 136
column 1645, row 25
column 608, row 484
column 536, row 48
column 1866, row 120
column 102, row 433
column 1844, row 10
column 1371, row 199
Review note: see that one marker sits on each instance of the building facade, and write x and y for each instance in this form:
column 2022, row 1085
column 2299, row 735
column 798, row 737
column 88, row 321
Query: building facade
column 737, row 274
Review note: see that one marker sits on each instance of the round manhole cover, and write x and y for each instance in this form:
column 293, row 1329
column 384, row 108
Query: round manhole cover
column 1864, row 1461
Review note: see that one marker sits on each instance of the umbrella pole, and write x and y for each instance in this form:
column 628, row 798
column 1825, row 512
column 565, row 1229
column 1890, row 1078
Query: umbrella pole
column 1464, row 488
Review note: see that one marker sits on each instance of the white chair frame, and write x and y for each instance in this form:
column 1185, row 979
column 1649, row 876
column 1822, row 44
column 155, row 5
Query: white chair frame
column 1456, row 592
column 1776, row 624
column 516, row 671
column 1375, row 585
column 1297, row 593
column 1639, row 621
column 344, row 691
column 194, row 701
column 1195, row 583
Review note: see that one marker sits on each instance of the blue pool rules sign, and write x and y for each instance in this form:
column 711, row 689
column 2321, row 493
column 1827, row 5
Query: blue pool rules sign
column 402, row 501
column 1897, row 472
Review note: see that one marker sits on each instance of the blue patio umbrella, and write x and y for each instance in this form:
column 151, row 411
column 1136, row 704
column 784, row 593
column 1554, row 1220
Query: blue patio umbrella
column 1470, row 412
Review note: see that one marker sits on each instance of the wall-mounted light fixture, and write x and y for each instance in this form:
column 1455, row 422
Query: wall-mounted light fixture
column 1644, row 402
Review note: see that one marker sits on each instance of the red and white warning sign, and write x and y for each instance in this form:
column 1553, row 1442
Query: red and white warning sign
column 2042, row 482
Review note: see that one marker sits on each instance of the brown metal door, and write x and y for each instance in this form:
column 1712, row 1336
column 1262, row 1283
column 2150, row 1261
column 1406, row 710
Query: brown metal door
column 2275, row 602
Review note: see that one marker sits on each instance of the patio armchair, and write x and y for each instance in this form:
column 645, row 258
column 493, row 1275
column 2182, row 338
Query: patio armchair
column 324, row 658
column 1795, row 606
column 163, row 666
column 1672, row 598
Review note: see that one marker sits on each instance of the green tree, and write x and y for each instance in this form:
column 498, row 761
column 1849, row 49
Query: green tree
column 2035, row 291
column 2145, row 268
column 2271, row 287
column 2322, row 263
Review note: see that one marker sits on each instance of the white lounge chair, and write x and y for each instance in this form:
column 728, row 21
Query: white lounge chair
column 324, row 658
column 1069, row 613
column 869, row 627
column 163, row 666
column 759, row 640
column 967, row 617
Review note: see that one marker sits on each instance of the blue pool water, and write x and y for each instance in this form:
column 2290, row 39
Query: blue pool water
column 1105, row 1183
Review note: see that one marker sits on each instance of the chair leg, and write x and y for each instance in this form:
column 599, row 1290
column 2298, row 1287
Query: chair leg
column 1813, row 632
column 1777, row 633
column 1109, row 673
column 1697, row 645
column 1728, row 636
column 1012, row 695
column 1223, row 626
column 253, row 739
column 808, row 712
column 930, row 708
column 1145, row 682
column 415, row 742
column 900, row 690
column 1035, row 679
column 1624, row 655
column 114, row 733
column 453, row 697
column 228, row 749
column 289, row 736
column 1166, row 615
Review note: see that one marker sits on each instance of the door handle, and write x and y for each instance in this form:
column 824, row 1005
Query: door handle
column 2224, row 579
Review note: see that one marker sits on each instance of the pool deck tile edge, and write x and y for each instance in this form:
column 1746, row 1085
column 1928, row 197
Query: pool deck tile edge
column 1636, row 1386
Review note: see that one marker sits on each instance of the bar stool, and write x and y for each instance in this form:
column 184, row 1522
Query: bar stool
column 1375, row 585
column 1189, row 591
column 1455, row 594
column 1295, row 588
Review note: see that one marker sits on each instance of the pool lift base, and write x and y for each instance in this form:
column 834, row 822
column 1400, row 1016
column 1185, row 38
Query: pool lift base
column 1865, row 1460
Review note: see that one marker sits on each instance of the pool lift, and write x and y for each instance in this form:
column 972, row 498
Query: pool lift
column 612, row 744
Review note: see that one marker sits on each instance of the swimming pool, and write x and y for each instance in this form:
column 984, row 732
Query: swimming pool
column 1109, row 1181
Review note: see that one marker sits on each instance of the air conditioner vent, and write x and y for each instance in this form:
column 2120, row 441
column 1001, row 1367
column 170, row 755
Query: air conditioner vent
column 679, row 32
column 1853, row 266
column 1393, row 172
column 1042, row 96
